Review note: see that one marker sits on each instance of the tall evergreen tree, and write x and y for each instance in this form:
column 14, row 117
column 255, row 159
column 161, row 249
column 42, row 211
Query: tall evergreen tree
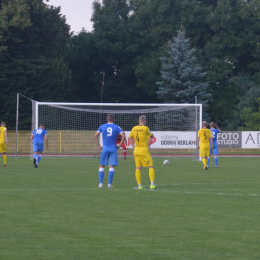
column 181, row 76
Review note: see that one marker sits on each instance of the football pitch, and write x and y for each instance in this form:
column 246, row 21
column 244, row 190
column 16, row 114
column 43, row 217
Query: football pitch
column 58, row 212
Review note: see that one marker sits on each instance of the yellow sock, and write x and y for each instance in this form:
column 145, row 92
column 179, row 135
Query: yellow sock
column 5, row 158
column 151, row 175
column 205, row 161
column 138, row 176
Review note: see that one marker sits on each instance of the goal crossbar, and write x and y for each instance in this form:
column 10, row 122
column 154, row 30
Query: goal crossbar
column 118, row 104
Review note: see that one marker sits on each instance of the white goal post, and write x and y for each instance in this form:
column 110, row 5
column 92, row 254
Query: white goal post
column 71, row 126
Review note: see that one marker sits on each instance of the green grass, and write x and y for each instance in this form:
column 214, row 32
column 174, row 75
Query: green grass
column 57, row 211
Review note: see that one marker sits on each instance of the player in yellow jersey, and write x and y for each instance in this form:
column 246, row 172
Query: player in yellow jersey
column 141, row 135
column 3, row 141
column 204, row 135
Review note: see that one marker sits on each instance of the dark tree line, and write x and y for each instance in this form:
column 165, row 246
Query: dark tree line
column 41, row 59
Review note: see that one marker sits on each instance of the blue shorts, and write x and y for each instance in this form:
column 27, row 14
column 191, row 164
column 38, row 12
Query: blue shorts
column 215, row 149
column 108, row 155
column 37, row 147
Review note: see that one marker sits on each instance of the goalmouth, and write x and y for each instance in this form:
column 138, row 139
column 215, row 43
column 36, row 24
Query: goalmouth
column 71, row 126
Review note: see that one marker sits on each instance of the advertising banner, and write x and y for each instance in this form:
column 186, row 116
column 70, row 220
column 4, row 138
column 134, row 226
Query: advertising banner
column 230, row 140
column 250, row 139
column 170, row 140
column 187, row 140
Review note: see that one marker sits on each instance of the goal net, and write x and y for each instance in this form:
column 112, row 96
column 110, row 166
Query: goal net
column 71, row 126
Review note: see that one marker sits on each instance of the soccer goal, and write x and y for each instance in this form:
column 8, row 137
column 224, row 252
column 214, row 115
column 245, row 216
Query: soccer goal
column 71, row 126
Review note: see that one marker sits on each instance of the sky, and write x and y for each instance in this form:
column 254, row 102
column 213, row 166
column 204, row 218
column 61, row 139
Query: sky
column 78, row 13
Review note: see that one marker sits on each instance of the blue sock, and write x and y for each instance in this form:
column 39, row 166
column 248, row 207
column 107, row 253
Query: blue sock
column 110, row 175
column 208, row 161
column 35, row 156
column 216, row 161
column 38, row 159
column 101, row 175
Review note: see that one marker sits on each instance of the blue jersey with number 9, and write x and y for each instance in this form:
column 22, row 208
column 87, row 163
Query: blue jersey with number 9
column 109, row 134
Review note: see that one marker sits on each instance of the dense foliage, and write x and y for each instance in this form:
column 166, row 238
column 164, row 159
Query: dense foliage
column 33, row 40
column 42, row 60
column 181, row 74
column 251, row 118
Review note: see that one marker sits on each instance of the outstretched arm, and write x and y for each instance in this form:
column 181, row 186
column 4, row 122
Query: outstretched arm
column 131, row 140
column 150, row 141
column 97, row 141
column 198, row 142
column 6, row 140
column 217, row 127
column 122, row 140
column 46, row 141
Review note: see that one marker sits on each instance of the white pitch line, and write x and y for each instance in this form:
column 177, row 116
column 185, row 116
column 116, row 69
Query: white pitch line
column 157, row 190
column 198, row 192
column 178, row 184
column 21, row 190
column 55, row 189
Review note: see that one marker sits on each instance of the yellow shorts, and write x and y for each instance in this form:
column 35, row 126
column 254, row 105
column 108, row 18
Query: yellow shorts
column 204, row 151
column 144, row 160
column 2, row 148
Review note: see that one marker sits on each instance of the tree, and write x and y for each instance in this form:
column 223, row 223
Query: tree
column 154, row 23
column 34, row 40
column 225, row 34
column 84, row 65
column 232, row 50
column 181, row 82
column 251, row 119
column 245, row 97
column 117, row 46
column 180, row 74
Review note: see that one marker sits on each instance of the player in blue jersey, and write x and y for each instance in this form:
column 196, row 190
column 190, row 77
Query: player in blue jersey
column 109, row 149
column 37, row 138
column 214, row 130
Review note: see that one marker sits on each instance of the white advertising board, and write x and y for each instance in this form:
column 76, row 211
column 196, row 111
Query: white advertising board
column 250, row 139
column 171, row 140
column 187, row 140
